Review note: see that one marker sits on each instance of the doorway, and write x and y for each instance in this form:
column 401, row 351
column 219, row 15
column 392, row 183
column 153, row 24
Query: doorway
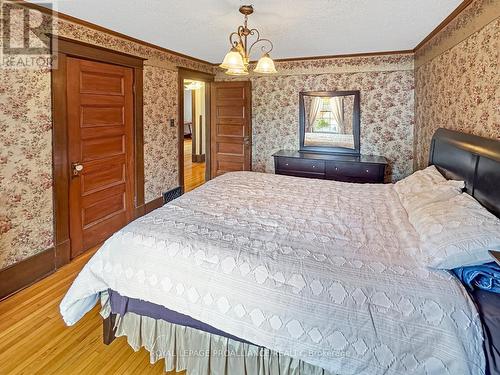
column 231, row 136
column 195, row 134
column 101, row 143
column 194, row 128
column 98, row 165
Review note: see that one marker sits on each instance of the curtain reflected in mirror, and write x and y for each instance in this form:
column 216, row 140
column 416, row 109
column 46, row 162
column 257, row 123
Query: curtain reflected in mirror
column 329, row 121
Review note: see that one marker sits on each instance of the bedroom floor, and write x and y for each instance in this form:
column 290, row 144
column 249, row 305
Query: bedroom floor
column 34, row 339
column 194, row 173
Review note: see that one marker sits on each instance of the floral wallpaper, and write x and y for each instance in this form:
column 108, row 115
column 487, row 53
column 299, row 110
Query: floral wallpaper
column 460, row 88
column 378, row 63
column 99, row 38
column 454, row 78
column 26, row 213
column 160, row 103
column 473, row 18
column 160, row 140
column 386, row 85
column 25, row 164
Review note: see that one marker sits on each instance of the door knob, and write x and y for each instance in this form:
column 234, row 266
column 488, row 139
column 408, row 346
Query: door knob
column 246, row 140
column 76, row 168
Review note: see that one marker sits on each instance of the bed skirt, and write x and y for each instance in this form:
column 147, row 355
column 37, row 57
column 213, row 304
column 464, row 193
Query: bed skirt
column 202, row 353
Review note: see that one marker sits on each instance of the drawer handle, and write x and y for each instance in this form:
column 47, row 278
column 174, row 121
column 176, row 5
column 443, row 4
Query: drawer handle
column 286, row 163
column 367, row 171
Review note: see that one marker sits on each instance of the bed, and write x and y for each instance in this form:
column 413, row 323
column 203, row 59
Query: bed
column 329, row 140
column 256, row 273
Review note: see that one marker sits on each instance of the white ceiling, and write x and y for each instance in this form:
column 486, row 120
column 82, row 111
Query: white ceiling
column 298, row 28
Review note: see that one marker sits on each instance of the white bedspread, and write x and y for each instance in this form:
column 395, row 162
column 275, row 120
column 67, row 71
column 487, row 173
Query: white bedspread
column 323, row 271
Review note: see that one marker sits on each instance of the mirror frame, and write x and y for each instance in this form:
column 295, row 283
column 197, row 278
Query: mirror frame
column 355, row 123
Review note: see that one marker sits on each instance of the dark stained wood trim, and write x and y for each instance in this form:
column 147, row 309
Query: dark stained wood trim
column 195, row 74
column 366, row 54
column 150, row 206
column 139, row 137
column 246, row 142
column 444, row 23
column 88, row 51
column 322, row 57
column 183, row 74
column 356, row 123
column 26, row 272
column 438, row 28
column 67, row 47
column 198, row 158
column 208, row 127
column 180, row 129
column 63, row 253
column 93, row 26
column 69, row 18
column 153, row 205
column 140, row 210
column 60, row 163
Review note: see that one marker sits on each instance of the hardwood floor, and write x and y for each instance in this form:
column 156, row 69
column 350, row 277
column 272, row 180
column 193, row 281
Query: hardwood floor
column 194, row 173
column 35, row 340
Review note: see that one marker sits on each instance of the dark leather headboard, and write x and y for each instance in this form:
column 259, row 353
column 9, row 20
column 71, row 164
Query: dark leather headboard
column 473, row 159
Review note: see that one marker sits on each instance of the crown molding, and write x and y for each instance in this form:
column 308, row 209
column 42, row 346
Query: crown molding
column 464, row 4
column 93, row 26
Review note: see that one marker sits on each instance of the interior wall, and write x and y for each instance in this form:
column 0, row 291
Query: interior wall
column 454, row 80
column 457, row 78
column 386, row 85
column 26, row 213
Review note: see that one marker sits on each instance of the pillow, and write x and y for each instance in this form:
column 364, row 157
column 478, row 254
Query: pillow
column 425, row 187
column 456, row 233
column 427, row 175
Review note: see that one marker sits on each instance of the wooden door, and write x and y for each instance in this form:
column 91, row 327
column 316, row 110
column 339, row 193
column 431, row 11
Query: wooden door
column 231, row 127
column 100, row 135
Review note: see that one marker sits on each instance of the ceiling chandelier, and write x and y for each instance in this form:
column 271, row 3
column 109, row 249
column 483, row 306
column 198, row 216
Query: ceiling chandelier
column 237, row 59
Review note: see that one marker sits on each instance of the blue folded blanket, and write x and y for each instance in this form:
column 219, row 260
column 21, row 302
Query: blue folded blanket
column 485, row 276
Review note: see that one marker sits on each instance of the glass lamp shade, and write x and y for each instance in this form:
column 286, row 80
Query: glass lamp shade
column 237, row 72
column 265, row 65
column 233, row 60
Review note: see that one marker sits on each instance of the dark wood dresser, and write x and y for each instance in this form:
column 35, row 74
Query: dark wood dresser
column 347, row 168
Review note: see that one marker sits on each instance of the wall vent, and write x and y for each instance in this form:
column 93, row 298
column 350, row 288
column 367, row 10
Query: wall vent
column 172, row 194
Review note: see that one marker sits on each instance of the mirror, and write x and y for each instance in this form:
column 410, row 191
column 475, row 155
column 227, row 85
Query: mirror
column 329, row 121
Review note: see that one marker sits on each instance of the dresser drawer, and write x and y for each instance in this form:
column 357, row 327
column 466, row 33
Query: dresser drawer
column 302, row 165
column 355, row 172
column 348, row 168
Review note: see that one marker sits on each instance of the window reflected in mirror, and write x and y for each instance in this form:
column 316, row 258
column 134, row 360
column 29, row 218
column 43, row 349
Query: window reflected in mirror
column 329, row 121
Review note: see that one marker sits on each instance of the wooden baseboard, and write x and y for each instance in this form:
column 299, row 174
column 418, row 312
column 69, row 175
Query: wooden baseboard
column 153, row 205
column 198, row 158
column 26, row 272
column 139, row 211
column 62, row 253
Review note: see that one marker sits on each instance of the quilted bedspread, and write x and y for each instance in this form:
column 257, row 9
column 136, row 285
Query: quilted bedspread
column 323, row 271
